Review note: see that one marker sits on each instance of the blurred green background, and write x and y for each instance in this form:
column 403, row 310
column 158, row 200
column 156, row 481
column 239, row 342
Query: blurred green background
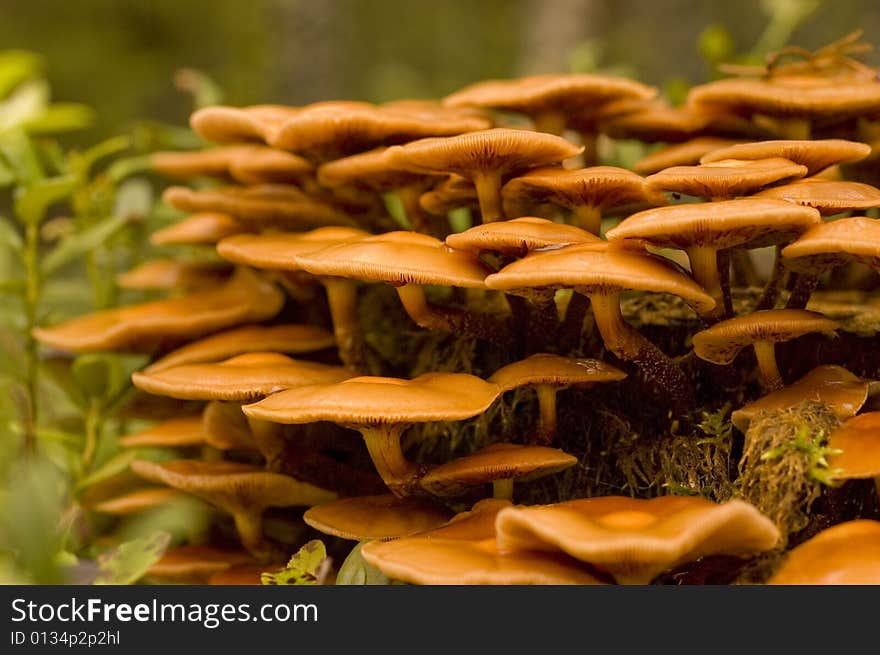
column 120, row 56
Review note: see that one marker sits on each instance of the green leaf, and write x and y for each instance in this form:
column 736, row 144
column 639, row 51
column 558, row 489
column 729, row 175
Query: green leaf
column 21, row 156
column 32, row 202
column 28, row 102
column 16, row 66
column 78, row 244
column 356, row 571
column 61, row 117
column 9, row 236
column 93, row 373
column 111, row 467
column 716, row 44
column 302, row 569
column 81, row 163
column 127, row 563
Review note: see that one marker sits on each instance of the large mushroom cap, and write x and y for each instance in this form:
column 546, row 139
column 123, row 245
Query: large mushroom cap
column 234, row 124
column 544, row 368
column 371, row 170
column 834, row 242
column 636, row 539
column 828, row 196
column 245, row 298
column 288, row 339
column 845, row 554
column 680, row 154
column 396, row 258
column 721, row 342
column 589, row 268
column 726, row 178
column 724, row 224
column 519, row 236
column 278, row 250
column 372, row 400
column 375, row 517
column 830, row 385
column 858, row 443
column 202, row 228
column 241, row 378
column 815, row 155
column 171, row 433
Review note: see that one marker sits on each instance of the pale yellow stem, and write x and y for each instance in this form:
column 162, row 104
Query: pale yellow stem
column 589, row 218
column 547, row 407
column 704, row 268
column 765, row 352
column 383, row 445
column 488, row 184
column 503, row 489
column 342, row 299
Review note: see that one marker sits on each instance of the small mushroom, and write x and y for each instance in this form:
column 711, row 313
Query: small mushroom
column 139, row 500
column 183, row 432
column 721, row 343
column 236, row 124
column 198, row 229
column 726, row 178
column 375, row 517
column 194, row 564
column 635, row 539
column 816, row 155
column 518, row 236
column 857, row 449
column 169, row 274
column 452, row 193
column 249, row 164
column 828, row 196
column 226, row 428
column 680, row 154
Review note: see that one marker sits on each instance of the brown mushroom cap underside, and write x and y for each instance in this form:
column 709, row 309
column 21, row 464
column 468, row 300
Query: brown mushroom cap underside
column 725, row 224
column 726, row 178
column 603, row 187
column 195, row 562
column 637, row 539
column 371, row 170
column 858, row 441
column 226, row 427
column 187, row 164
column 241, row 378
column 834, row 386
column 167, row 274
column 375, row 517
column 249, row 164
column 263, row 165
column 197, row 229
column 827, row 196
column 175, row 432
column 278, row 250
column 834, row 242
column 244, row 298
column 722, row 342
column 555, row 370
column 816, row 155
column 371, row 400
column 397, row 258
column 519, row 236
column 844, row 554
column 139, row 500
column 453, row 192
column 500, row 150
column 680, row 154
column 288, row 339
column 588, row 268
column 500, row 461
column 224, row 124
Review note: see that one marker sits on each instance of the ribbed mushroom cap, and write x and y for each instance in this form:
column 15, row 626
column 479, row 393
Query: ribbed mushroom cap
column 275, row 204
column 828, row 196
column 835, row 242
column 278, row 250
column 192, row 562
column 748, row 222
column 166, row 274
column 138, row 501
column 375, row 517
column 536, row 93
column 241, row 378
column 373, row 171
column 834, row 386
column 245, row 298
column 680, row 154
column 815, row 155
column 519, row 236
column 226, row 427
column 232, row 124
column 635, row 539
column 544, row 368
column 288, row 339
column 201, row 228
column 232, row 486
column 187, row 164
column 324, row 131
column 501, row 150
column 588, row 268
column 602, row 187
column 859, row 442
column 171, row 433
column 464, row 552
column 726, row 178
column 844, row 554
column 396, row 258
column 371, row 400
column 500, row 461
column 453, row 192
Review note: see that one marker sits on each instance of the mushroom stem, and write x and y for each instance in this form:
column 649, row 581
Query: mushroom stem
column 804, row 285
column 342, row 299
column 771, row 289
column 503, row 489
column 418, row 219
column 547, row 407
column 383, row 444
column 630, row 345
column 269, row 439
column 589, row 217
column 551, row 121
column 590, row 155
column 724, row 276
column 798, row 129
column 704, row 268
column 744, row 268
column 488, row 184
column 765, row 352
column 249, row 526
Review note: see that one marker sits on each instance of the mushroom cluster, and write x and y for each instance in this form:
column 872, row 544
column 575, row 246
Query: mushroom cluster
column 402, row 319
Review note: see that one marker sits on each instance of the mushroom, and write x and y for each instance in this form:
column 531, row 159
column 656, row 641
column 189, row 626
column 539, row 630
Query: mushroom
column 635, row 539
column 603, row 273
column 828, row 196
column 249, row 164
column 549, row 374
column 844, row 554
column 168, row 274
column 816, row 155
column 464, row 552
column 198, row 229
column 721, row 343
column 486, row 158
column 857, row 446
column 235, row 124
column 830, row 385
column 225, row 426
column 680, row 154
column 241, row 490
column 375, row 517
column 194, row 564
column 138, row 501
column 244, row 298
column 180, row 432
column 725, row 178
column 702, row 230
column 382, row 409
column 500, row 464
column 452, row 193
column 589, row 192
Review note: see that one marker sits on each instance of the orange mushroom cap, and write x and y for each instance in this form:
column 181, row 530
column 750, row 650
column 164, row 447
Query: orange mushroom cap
column 519, row 236
column 828, row 196
column 375, row 517
column 726, row 178
column 544, row 368
column 171, row 433
column 201, row 228
column 816, row 155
